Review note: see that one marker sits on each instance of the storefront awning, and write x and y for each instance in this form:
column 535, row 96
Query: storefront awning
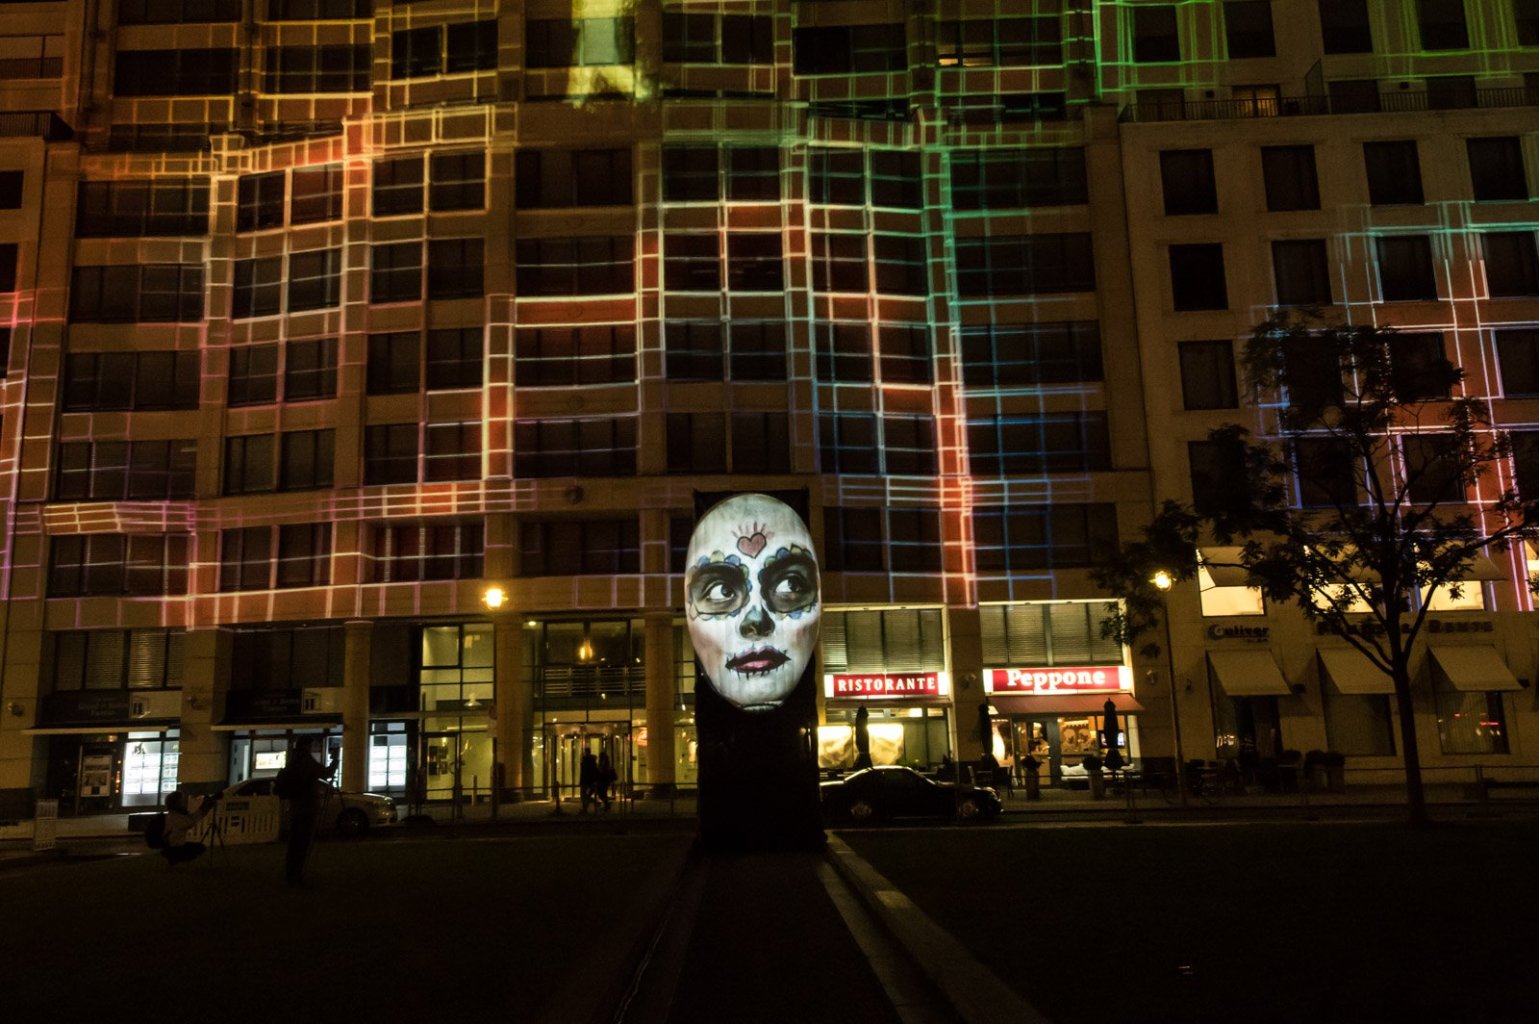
column 91, row 730
column 1064, row 704
column 1352, row 672
column 1476, row 668
column 315, row 722
column 1222, row 565
column 1248, row 673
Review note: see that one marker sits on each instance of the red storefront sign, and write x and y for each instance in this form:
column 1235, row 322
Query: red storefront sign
column 899, row 684
column 1059, row 679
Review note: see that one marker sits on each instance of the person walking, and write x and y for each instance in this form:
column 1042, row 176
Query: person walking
column 302, row 784
column 606, row 778
column 587, row 779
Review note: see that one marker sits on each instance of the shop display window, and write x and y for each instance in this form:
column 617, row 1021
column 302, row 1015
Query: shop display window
column 1470, row 722
column 149, row 767
column 914, row 736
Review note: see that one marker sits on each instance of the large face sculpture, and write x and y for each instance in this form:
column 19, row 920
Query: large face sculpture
column 751, row 595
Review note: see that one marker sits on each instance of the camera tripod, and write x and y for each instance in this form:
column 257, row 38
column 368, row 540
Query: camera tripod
column 213, row 833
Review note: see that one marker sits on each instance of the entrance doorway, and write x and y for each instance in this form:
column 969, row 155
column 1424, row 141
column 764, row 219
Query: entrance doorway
column 457, row 765
column 565, row 743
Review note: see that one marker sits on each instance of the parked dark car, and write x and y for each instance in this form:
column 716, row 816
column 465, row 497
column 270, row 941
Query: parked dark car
column 892, row 791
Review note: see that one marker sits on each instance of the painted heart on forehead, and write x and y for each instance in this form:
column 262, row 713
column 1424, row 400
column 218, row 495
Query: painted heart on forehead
column 751, row 599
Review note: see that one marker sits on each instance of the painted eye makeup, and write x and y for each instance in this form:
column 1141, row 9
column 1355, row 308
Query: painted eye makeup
column 718, row 589
column 790, row 584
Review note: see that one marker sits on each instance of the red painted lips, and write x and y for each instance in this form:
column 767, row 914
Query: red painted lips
column 753, row 662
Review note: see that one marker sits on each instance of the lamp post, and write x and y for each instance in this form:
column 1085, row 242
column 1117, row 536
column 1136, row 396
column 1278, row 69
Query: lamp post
column 496, row 600
column 1163, row 581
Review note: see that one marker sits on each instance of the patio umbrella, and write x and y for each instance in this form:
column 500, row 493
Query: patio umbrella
column 1114, row 762
column 985, row 729
column 862, row 740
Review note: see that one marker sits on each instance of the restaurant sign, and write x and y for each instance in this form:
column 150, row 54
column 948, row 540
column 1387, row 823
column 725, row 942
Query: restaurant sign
column 895, row 684
column 1059, row 679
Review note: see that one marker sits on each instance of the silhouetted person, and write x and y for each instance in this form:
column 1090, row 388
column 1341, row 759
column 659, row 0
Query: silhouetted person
column 587, row 779
column 180, row 824
column 304, row 786
column 606, row 778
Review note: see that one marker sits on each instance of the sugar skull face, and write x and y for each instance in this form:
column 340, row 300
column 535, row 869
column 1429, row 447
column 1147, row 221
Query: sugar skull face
column 751, row 596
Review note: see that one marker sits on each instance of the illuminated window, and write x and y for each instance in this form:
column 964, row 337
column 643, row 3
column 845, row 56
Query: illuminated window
column 307, row 460
column 319, row 69
column 390, row 454
column 253, row 376
column 108, row 209
column 175, row 72
column 455, row 268
column 1394, row 173
column 107, row 381
column 1186, row 176
column 1029, row 354
column 849, row 49
column 452, row 451
column 1518, row 351
column 453, row 358
column 1034, row 445
column 125, row 470
column 569, row 356
column 315, row 280
column 137, row 293
column 1034, row 537
column 1227, row 600
column 1291, row 179
column 1197, row 279
column 393, row 364
column 1155, row 35
column 1344, row 26
column 843, row 352
column 568, row 547
column 1248, row 28
column 1011, row 179
column 1405, row 268
column 1002, row 42
column 1207, row 375
column 1442, row 25
column 395, row 272
column 457, row 181
column 591, row 265
column 1301, row 271
column 1511, row 262
column 598, row 446
column 116, row 564
column 413, row 552
column 259, row 201
column 1024, row 265
column 398, row 186
column 317, row 194
column 1471, row 597
column 1496, row 169
column 553, row 178
column 585, row 42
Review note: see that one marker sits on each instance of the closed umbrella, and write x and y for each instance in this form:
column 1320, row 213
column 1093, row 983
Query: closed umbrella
column 1114, row 762
column 988, row 767
column 862, row 740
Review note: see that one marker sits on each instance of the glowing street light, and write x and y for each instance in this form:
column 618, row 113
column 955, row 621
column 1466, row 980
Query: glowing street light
column 1163, row 581
column 494, row 598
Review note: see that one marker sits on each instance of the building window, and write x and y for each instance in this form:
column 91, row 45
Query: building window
column 315, row 280
column 757, row 350
column 835, row 177
column 1000, row 42
column 457, row 181
column 1248, row 29
column 395, row 272
column 914, row 542
column 137, row 293
column 307, row 460
column 1496, row 169
column 1312, row 374
column 125, row 470
column 1037, row 537
column 253, row 375
column 568, row 547
column 691, row 262
column 130, row 381
column 908, row 445
column 1291, row 180
column 843, row 352
column 414, row 552
column 594, row 265
column 1518, row 352
column 11, row 183
column 897, row 179
column 691, row 174
column 847, row 444
column 1214, row 468
column 453, row 358
column 697, row 443
column 1024, row 265
column 754, row 262
column 584, row 42
column 1431, row 466
column 1512, row 264
column 905, row 353
column 1014, row 179
column 1394, row 173
column 117, row 565
column 1525, row 13
column 259, row 201
column 1326, row 471
column 1046, row 634
column 172, row 12
column 695, row 349
column 1197, row 277
column 559, row 178
column 1301, row 271
column 852, row 539
column 1470, row 722
column 309, row 369
column 1405, row 268
column 397, row 186
column 571, row 356
column 317, row 194
column 1358, row 724
column 318, row 69
column 849, row 49
column 693, row 38
column 258, row 289
column 838, row 262
column 1030, row 354
column 1207, row 375
column 753, row 173
column 1187, row 176
column 1034, row 445
column 303, row 557
column 470, row 46
column 416, row 52
column 394, row 363
column 1155, row 35
column 1451, row 92
column 113, row 659
column 175, row 72
column 265, row 658
column 8, row 254
column 129, row 209
column 249, row 464
column 390, row 454
column 455, row 268
column 575, row 447
column 1418, row 368
column 453, row 452
column 1442, row 25
column 901, row 264
column 1344, row 26
column 761, row 442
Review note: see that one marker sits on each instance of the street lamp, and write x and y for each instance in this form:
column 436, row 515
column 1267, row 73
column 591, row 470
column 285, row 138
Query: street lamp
column 494, row 598
column 1163, row 581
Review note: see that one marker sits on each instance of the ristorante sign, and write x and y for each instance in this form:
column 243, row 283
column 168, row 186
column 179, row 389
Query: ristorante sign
column 1060, row 679
column 897, row 684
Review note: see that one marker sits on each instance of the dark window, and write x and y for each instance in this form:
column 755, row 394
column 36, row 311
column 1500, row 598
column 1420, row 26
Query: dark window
column 1036, row 537
column 754, row 262
column 1344, row 26
column 1496, row 168
column 116, row 564
column 1215, row 467
column 172, row 12
column 258, row 287
column 1326, row 472
column 108, row 209
column 5, row 351
column 11, row 189
column 1432, row 463
column 1442, row 25
column 126, row 470
column 559, row 43
column 175, row 72
column 835, row 177
column 310, row 369
column 897, row 179
column 914, row 540
column 1187, row 175
column 1024, row 265
column 415, row 52
column 838, row 262
column 393, row 363
column 304, row 555
column 747, row 39
column 575, row 447
column 695, row 349
column 691, row 173
column 1394, row 172
column 453, row 451
column 1418, row 368
column 589, row 265
column 1248, row 28
column 111, row 659
column 457, row 181
column 253, row 375
column 470, row 46
column 453, row 358
column 245, row 558
column 556, row 178
column 697, row 442
column 1451, row 92
column 852, row 539
column 1003, row 42
column 108, row 381
column 1012, row 179
column 249, row 464
column 1354, row 96
column 8, row 253
column 1291, row 180
column 849, row 49
column 1512, row 264
column 843, row 352
column 567, row 356
column 753, row 173
column 1526, row 14
column 390, row 454
column 757, row 351
column 413, row 552
column 847, row 443
column 398, row 186
column 317, row 194
column 1034, row 445
column 259, row 201
column 318, row 69
column 761, row 442
column 906, row 353
column 901, row 262
column 1311, row 375
column 568, row 547
column 455, row 268
column 692, row 262
column 137, row 293
column 1301, row 271
column 1207, row 375
column 1197, row 277
column 1518, row 351
column 908, row 445
column 395, row 272
column 1525, row 462
column 1155, row 35
column 315, row 280
column 307, row 460
column 1405, row 268
column 1030, row 354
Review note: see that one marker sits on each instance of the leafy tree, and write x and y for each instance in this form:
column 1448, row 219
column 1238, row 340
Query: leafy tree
column 1368, row 486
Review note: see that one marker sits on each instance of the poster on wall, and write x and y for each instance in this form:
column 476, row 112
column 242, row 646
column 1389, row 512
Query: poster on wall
column 753, row 607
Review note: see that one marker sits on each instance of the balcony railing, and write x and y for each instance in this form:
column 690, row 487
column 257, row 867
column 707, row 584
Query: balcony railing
column 45, row 123
column 1304, row 106
column 593, row 681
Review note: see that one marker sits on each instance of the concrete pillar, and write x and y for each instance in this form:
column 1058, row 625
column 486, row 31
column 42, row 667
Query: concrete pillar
column 23, row 757
column 203, row 764
column 355, row 705
column 511, row 706
column 660, row 703
column 966, row 681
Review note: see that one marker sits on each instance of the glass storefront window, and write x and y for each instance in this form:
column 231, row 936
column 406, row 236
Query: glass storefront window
column 917, row 737
column 457, row 757
column 1470, row 722
column 457, row 667
column 149, row 767
column 388, row 749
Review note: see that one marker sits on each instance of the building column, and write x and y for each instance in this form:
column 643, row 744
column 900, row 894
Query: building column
column 203, row 754
column 356, row 672
column 660, row 707
column 23, row 756
column 511, row 707
column 966, row 628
